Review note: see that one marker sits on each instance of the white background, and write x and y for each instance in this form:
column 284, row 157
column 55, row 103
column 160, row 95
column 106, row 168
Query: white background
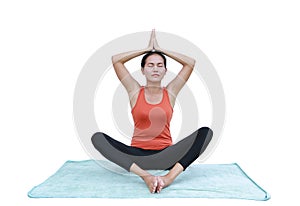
column 253, row 45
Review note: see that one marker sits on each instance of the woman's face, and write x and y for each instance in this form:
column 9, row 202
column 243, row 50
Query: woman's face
column 154, row 69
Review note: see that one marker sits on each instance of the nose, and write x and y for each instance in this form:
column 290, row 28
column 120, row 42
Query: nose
column 155, row 68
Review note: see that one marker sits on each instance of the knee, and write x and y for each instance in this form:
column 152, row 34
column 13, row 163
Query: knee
column 206, row 131
column 98, row 136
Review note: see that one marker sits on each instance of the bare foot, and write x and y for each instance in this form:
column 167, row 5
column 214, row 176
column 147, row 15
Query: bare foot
column 151, row 182
column 163, row 182
column 166, row 180
column 160, row 184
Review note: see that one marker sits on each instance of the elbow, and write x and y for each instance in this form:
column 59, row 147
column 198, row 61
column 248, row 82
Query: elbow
column 191, row 63
column 116, row 59
column 113, row 59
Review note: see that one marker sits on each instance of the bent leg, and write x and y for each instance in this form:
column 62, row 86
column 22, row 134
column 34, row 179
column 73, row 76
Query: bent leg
column 112, row 149
column 184, row 152
column 203, row 138
column 121, row 154
column 193, row 146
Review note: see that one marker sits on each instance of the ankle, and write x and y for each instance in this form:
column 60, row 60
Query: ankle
column 168, row 178
column 146, row 176
column 173, row 173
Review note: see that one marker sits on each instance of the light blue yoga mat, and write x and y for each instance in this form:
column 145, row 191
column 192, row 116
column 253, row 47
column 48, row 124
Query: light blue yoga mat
column 89, row 179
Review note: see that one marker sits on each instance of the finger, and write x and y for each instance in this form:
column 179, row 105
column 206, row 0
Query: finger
column 151, row 41
column 152, row 34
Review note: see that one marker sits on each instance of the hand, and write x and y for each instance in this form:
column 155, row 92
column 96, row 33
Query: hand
column 151, row 41
column 155, row 44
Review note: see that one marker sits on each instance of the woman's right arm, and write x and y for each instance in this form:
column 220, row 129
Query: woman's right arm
column 130, row 84
column 118, row 60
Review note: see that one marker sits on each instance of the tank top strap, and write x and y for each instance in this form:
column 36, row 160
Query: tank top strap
column 166, row 97
column 139, row 98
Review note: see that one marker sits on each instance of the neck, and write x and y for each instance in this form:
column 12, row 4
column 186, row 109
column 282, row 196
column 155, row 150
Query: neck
column 153, row 86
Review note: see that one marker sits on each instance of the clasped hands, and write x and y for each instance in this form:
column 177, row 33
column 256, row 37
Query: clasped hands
column 153, row 45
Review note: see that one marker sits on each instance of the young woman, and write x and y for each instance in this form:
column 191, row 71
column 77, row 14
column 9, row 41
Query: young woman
column 152, row 107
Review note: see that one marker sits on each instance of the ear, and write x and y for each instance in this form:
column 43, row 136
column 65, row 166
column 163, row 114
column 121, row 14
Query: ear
column 142, row 69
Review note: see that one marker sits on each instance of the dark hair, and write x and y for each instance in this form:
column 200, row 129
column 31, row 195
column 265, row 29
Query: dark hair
column 143, row 62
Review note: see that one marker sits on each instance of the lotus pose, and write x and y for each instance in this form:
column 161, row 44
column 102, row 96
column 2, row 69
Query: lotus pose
column 152, row 108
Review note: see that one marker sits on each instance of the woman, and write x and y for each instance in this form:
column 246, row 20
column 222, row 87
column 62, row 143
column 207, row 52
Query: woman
column 152, row 107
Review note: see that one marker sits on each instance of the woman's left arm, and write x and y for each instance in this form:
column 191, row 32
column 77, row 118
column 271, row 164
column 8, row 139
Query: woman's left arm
column 183, row 75
column 187, row 63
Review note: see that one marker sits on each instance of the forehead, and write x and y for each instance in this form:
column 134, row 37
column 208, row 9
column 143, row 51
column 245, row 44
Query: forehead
column 155, row 58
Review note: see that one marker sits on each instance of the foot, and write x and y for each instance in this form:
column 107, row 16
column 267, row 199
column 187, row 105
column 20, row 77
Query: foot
column 160, row 184
column 151, row 182
column 163, row 182
column 166, row 180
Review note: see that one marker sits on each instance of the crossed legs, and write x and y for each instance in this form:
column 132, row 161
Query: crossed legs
column 175, row 158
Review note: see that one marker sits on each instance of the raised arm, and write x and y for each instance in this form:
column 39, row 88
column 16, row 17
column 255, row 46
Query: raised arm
column 122, row 73
column 118, row 60
column 183, row 75
column 187, row 63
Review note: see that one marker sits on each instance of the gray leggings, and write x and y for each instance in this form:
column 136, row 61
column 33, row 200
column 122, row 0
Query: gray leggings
column 184, row 152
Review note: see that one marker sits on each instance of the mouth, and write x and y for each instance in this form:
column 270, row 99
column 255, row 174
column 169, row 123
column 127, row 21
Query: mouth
column 155, row 75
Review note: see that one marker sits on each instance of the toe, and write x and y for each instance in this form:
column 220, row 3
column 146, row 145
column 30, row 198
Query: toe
column 160, row 184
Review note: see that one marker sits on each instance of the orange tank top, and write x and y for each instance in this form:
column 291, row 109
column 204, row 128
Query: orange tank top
column 152, row 122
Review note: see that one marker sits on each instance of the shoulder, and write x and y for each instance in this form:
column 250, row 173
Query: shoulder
column 171, row 96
